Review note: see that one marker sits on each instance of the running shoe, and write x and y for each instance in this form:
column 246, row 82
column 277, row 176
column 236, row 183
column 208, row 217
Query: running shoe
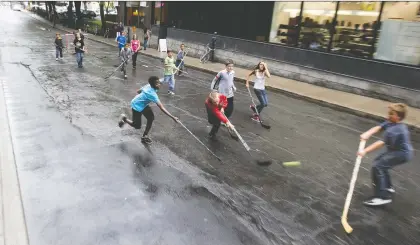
column 391, row 189
column 121, row 122
column 171, row 93
column 56, row 59
column 255, row 117
column 125, row 76
column 377, row 201
column 145, row 139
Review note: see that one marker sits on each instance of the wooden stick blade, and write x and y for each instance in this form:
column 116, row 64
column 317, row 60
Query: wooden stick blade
column 346, row 225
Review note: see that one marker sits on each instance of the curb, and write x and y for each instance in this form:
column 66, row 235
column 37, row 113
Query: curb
column 290, row 93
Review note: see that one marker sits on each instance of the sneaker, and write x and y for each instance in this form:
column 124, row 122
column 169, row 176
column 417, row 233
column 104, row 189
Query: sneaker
column 56, row 59
column 121, row 122
column 256, row 118
column 171, row 93
column 377, row 201
column 391, row 189
column 146, row 140
column 125, row 76
column 252, row 107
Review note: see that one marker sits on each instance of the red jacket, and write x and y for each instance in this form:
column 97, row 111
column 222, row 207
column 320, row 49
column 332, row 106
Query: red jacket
column 216, row 108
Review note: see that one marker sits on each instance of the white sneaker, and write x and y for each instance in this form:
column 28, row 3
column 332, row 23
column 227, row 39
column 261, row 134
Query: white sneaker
column 377, row 201
column 56, row 59
column 125, row 76
column 391, row 189
column 171, row 93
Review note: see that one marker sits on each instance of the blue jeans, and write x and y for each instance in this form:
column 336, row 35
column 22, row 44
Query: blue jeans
column 58, row 52
column 262, row 97
column 180, row 65
column 79, row 59
column 145, row 43
column 171, row 80
column 380, row 175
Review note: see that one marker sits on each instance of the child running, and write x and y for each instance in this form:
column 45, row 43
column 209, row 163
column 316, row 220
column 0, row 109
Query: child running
column 125, row 55
column 398, row 151
column 260, row 72
column 58, row 46
column 180, row 59
column 169, row 73
column 215, row 105
column 223, row 83
column 140, row 106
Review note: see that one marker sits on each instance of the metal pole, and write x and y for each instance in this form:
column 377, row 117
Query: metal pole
column 334, row 24
column 375, row 31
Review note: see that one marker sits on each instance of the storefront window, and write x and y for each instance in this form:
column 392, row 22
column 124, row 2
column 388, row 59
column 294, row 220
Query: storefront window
column 354, row 29
column 284, row 25
column 158, row 12
column 316, row 27
column 399, row 36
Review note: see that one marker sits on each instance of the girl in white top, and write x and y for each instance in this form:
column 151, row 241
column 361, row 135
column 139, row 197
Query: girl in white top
column 260, row 72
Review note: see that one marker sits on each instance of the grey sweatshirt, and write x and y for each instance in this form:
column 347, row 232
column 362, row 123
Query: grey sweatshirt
column 226, row 85
column 125, row 54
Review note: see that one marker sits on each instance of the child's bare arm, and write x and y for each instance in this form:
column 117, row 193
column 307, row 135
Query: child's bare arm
column 378, row 144
column 366, row 135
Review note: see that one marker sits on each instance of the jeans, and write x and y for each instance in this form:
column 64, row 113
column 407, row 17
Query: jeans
column 145, row 43
column 134, row 59
column 380, row 175
column 229, row 108
column 58, row 52
column 79, row 59
column 171, row 80
column 180, row 65
column 262, row 97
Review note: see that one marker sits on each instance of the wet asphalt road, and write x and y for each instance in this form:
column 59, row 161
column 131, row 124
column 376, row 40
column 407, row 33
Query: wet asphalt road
column 86, row 181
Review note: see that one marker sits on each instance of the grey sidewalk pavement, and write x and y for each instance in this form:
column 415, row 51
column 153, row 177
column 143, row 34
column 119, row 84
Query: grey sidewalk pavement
column 352, row 103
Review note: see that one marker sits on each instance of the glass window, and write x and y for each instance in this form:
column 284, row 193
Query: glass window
column 284, row 25
column 316, row 25
column 158, row 12
column 354, row 29
column 398, row 39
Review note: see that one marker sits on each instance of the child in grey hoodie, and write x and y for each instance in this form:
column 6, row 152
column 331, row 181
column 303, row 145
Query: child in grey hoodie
column 125, row 55
column 223, row 83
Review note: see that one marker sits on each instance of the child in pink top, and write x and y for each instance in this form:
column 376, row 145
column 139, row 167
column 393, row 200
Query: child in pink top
column 135, row 47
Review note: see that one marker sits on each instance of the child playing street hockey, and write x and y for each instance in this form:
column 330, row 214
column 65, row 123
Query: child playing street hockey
column 80, row 49
column 215, row 105
column 260, row 72
column 398, row 151
column 140, row 106
column 121, row 41
column 180, row 59
column 58, row 46
column 223, row 83
column 169, row 72
column 125, row 54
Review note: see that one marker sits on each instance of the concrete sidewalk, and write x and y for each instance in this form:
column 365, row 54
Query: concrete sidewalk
column 352, row 103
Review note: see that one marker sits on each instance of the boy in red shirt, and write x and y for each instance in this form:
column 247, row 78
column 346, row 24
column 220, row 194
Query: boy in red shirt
column 215, row 105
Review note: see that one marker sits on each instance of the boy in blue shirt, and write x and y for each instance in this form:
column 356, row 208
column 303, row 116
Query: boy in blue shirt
column 121, row 40
column 140, row 106
column 398, row 151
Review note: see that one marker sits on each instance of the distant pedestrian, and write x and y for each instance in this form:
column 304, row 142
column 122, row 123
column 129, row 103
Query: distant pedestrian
column 58, row 46
column 223, row 83
column 135, row 47
column 121, row 41
column 215, row 104
column 125, row 55
column 80, row 49
column 169, row 72
column 120, row 29
column 398, row 151
column 260, row 72
column 147, row 34
column 180, row 59
column 140, row 106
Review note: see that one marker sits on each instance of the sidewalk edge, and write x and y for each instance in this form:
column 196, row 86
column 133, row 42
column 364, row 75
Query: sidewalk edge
column 14, row 223
column 332, row 105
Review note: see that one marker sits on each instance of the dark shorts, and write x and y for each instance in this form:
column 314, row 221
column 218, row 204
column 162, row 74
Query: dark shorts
column 147, row 113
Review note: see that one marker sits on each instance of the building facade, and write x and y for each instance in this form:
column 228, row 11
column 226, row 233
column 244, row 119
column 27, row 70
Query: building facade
column 386, row 31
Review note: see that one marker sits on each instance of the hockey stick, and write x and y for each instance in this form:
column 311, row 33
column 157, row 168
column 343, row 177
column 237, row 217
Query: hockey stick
column 259, row 162
column 199, row 140
column 256, row 111
column 344, row 221
column 116, row 69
